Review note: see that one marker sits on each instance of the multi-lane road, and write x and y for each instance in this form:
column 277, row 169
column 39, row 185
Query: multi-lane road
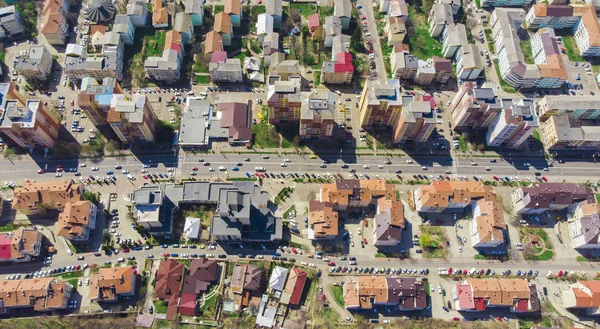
column 19, row 170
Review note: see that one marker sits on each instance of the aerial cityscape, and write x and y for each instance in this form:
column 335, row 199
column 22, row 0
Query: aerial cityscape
column 300, row 164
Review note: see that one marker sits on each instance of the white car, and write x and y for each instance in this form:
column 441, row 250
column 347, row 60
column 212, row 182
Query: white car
column 82, row 165
column 211, row 169
column 58, row 174
column 94, row 168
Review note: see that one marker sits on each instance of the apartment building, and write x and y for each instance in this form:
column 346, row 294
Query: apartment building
column 138, row 12
column 20, row 245
column 29, row 126
column 439, row 16
column 342, row 9
column 487, row 228
column 584, row 226
column 111, row 284
column 562, row 132
column 264, row 25
column 425, row 72
column 284, row 100
column 270, row 46
column 124, row 26
column 317, row 117
column 332, row 27
column 398, row 294
column 228, row 70
column 274, row 9
column 587, row 32
column 132, row 118
column 77, row 220
column 547, row 56
column 514, row 125
column 339, row 71
column 580, row 107
column 10, row 91
column 95, row 99
column 285, row 69
column 224, row 27
column 39, row 197
column 450, row 197
column 11, row 24
column 168, row 66
column 469, row 64
column 443, row 69
column 582, row 297
column 553, row 16
column 540, row 198
column 453, row 38
column 36, row 65
column 380, row 104
column 213, row 43
column 404, row 65
column 160, row 15
column 195, row 8
column 395, row 29
column 55, row 26
column 40, row 295
column 233, row 8
column 477, row 295
column 322, row 221
column 416, row 123
column 505, row 3
column 106, row 61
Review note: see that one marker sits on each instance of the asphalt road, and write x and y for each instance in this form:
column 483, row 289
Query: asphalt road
column 18, row 170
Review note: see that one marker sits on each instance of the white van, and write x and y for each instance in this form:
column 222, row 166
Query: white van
column 130, row 177
column 121, row 260
column 222, row 168
column 260, row 169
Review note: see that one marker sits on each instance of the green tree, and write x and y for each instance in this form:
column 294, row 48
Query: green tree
column 426, row 240
column 9, row 153
column 91, row 196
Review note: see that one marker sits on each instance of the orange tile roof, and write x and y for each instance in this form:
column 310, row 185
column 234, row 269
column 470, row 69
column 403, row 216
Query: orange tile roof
column 73, row 220
column 372, row 290
column 351, row 298
column 97, row 29
column 554, row 68
column 590, row 208
column 233, row 7
column 213, row 42
column 396, row 210
column 24, row 241
column 590, row 20
column 172, row 38
column 500, row 291
column 55, row 193
column 441, row 193
column 109, row 283
column 222, row 23
column 160, row 14
column 52, row 6
column 169, row 277
column 42, row 293
column 490, row 223
column 51, row 23
column 582, row 299
column 322, row 218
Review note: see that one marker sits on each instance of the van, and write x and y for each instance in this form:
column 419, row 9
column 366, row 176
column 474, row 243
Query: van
column 130, row 177
column 120, row 260
column 92, row 136
column 473, row 163
column 222, row 168
column 260, row 169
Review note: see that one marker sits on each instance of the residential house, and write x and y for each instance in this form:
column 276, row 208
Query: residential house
column 477, row 295
column 192, row 228
column 292, row 293
column 168, row 66
column 203, row 273
column 11, row 24
column 548, row 58
column 36, row 198
column 55, row 26
column 398, row 8
column 213, row 42
column 539, row 198
column 398, row 294
column 133, row 120
column 274, row 9
column 277, row 279
column 195, row 10
column 584, row 226
column 77, row 220
column 110, row 284
column 583, row 297
column 450, row 197
column 416, row 123
column 285, row 69
column 106, row 60
column 160, row 15
column 395, row 30
column 233, row 8
column 342, row 9
column 29, row 126
column 322, row 221
column 339, row 71
column 20, row 245
column 284, row 100
column 224, row 27
column 247, row 282
column 514, row 125
column 314, row 22
column 183, row 25
column 39, row 294
column 317, row 117
column 332, row 27
column 439, row 16
column 553, row 16
column 36, row 65
column 389, row 221
column 138, row 12
column 487, row 227
column 270, row 46
column 380, row 104
column 229, row 70
column 169, row 279
column 124, row 26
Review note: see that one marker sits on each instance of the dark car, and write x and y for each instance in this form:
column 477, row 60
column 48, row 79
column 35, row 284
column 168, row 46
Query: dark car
column 222, row 256
column 174, row 255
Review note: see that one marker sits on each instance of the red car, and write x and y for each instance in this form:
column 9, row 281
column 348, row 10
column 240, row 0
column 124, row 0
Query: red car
column 560, row 273
column 40, row 171
column 322, row 295
column 456, row 319
column 365, row 240
column 544, row 179
column 450, row 271
column 294, row 251
column 124, row 250
column 144, row 177
column 366, row 223
column 363, row 18
column 166, row 254
column 195, row 169
column 496, row 178
column 331, row 263
column 447, row 177
column 310, row 256
column 465, row 272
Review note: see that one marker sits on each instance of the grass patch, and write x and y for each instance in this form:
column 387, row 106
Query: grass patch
column 421, row 43
column 533, row 253
column 571, row 48
column 505, row 86
column 317, row 75
column 432, row 241
column 154, row 44
column 325, row 11
column 380, row 255
column 479, row 257
column 305, row 9
column 338, row 294
column 8, row 228
column 537, row 137
column 582, row 259
column 218, row 9
column 71, row 275
column 526, row 50
column 209, row 309
column 202, row 79
column 478, row 2
column 463, row 145
column 265, row 136
column 160, row 306
column 598, row 197
column 282, row 195
column 388, row 67
column 288, row 211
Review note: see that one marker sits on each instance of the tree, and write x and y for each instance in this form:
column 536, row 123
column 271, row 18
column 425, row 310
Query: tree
column 296, row 141
column 91, row 196
column 295, row 15
column 9, row 153
column 112, row 146
column 425, row 240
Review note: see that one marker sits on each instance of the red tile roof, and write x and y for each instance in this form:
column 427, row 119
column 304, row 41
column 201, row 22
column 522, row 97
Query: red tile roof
column 218, row 56
column 5, row 246
column 344, row 63
column 313, row 22
column 299, row 286
column 187, row 304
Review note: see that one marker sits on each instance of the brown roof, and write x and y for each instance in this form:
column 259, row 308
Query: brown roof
column 590, row 20
column 160, row 14
column 97, row 29
column 109, row 283
column 233, row 7
column 51, row 23
column 54, row 193
column 222, row 23
column 172, row 38
column 322, row 218
column 553, row 68
column 440, row 193
column 370, row 290
column 245, row 277
column 490, row 223
column 235, row 116
column 42, row 294
column 500, row 292
column 52, row 6
column 583, row 298
column 213, row 42
column 202, row 273
column 74, row 218
column 168, row 279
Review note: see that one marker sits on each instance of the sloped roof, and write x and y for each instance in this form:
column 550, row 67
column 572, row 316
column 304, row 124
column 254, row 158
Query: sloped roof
column 168, row 279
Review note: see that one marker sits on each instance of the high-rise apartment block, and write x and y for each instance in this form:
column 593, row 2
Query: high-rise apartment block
column 28, row 125
column 380, row 105
column 514, row 125
column 132, row 119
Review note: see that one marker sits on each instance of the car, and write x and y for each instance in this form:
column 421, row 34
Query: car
column 41, row 171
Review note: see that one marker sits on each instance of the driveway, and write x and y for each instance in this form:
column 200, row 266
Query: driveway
column 367, row 10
